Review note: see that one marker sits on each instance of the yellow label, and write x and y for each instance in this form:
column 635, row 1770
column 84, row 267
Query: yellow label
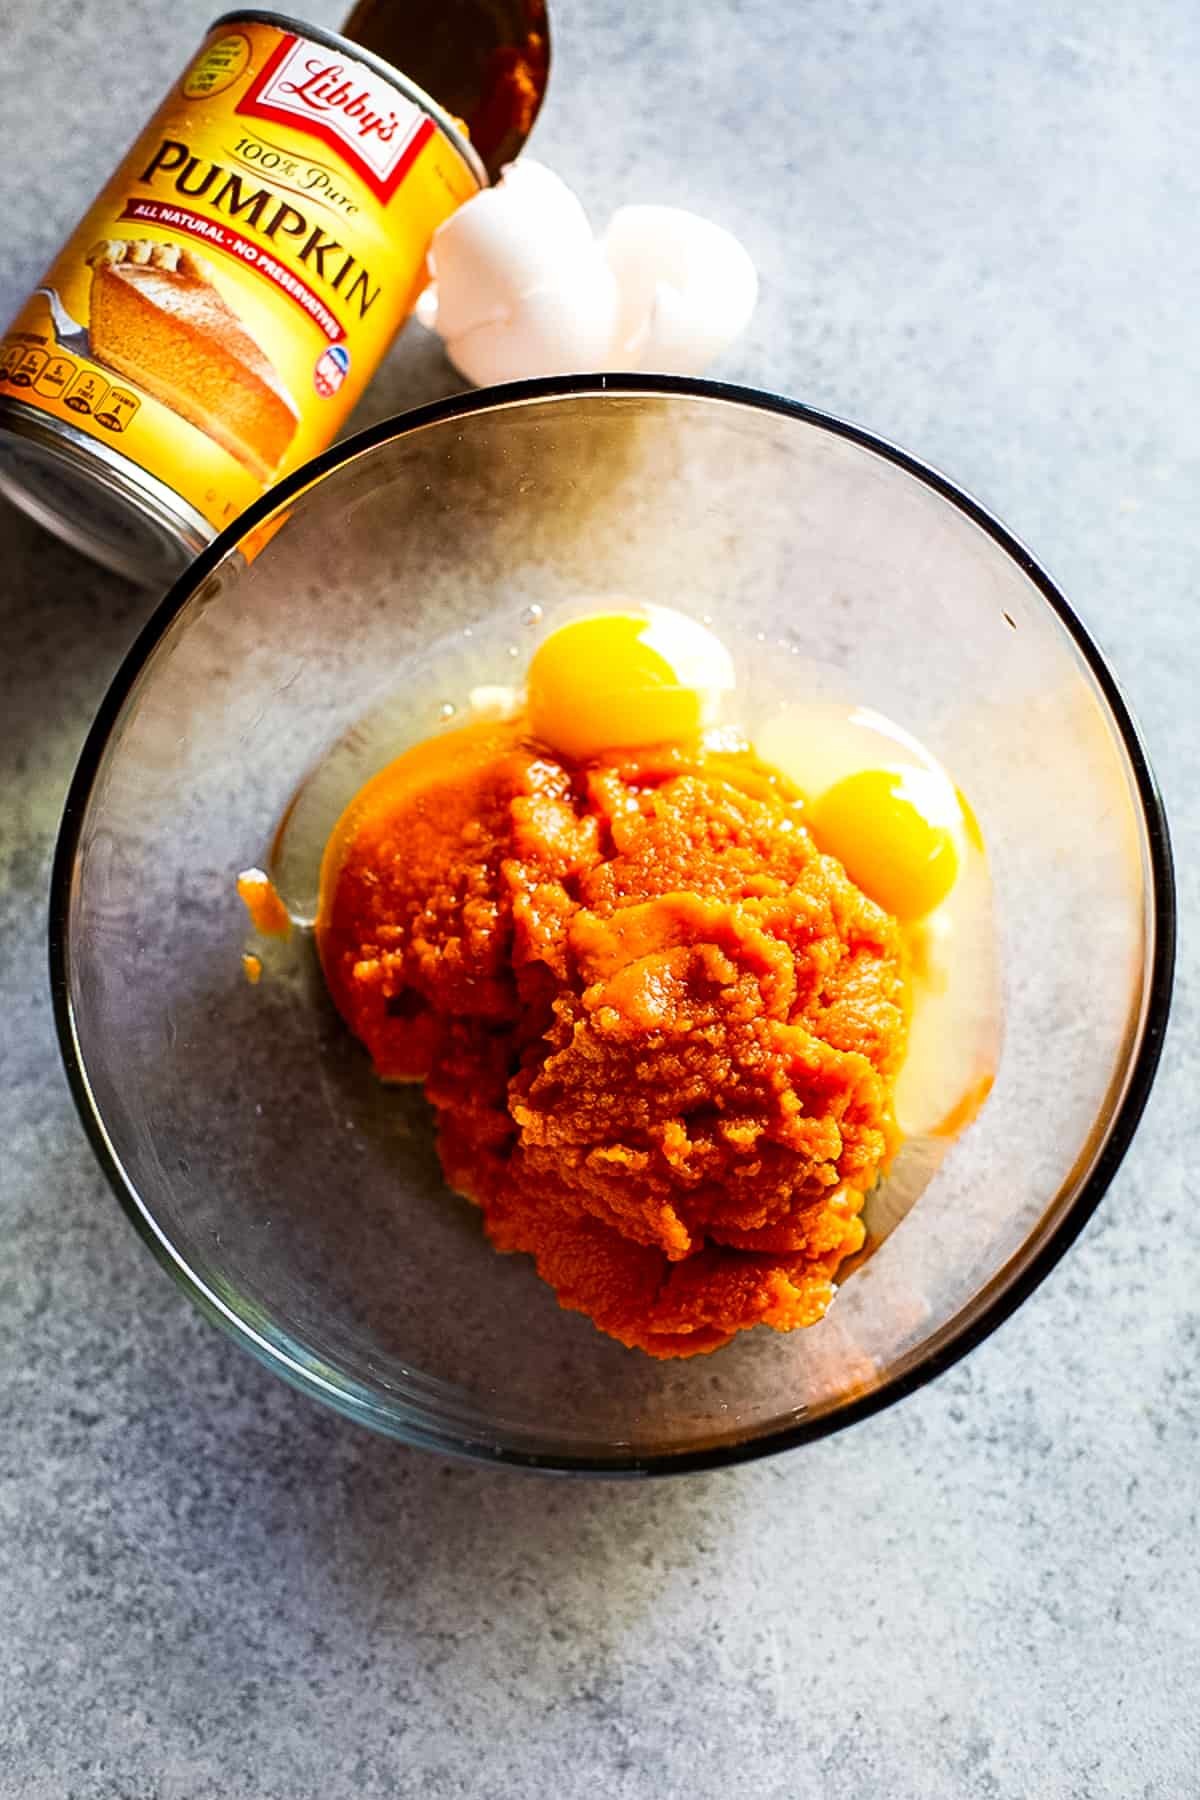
column 221, row 306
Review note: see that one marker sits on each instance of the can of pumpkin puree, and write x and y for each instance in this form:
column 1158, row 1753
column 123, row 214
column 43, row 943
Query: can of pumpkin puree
column 221, row 306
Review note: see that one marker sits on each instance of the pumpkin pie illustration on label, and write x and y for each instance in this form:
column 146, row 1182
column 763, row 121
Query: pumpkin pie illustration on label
column 159, row 318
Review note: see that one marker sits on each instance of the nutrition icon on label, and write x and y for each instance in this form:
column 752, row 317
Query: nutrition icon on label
column 86, row 392
column 55, row 377
column 119, row 407
column 28, row 366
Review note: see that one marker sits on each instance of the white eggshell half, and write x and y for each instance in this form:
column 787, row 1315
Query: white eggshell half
column 501, row 244
column 687, row 287
column 561, row 328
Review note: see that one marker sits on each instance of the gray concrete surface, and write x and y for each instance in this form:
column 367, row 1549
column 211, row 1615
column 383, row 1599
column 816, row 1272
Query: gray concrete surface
column 977, row 233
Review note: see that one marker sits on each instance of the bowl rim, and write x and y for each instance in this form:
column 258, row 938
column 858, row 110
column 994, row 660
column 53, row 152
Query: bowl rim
column 1005, row 1290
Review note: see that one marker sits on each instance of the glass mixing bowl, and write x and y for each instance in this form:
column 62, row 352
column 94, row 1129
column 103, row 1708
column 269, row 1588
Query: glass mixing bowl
column 296, row 1199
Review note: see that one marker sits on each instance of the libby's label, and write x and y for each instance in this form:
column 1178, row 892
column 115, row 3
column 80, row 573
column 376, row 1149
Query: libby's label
column 225, row 300
column 378, row 131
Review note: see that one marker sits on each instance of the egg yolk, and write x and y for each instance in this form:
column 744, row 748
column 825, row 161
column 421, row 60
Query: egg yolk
column 597, row 684
column 874, row 824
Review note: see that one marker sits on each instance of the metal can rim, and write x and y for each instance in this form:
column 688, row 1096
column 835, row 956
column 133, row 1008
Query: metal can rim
column 378, row 66
column 156, row 506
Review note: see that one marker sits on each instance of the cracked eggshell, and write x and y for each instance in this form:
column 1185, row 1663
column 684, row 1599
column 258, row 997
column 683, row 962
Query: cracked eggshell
column 510, row 240
column 687, row 288
column 565, row 327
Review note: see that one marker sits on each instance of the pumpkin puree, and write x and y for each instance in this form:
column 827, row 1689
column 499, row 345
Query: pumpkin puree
column 658, row 1028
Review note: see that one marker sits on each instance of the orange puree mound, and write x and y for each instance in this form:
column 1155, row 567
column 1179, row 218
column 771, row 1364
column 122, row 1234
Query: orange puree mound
column 659, row 1029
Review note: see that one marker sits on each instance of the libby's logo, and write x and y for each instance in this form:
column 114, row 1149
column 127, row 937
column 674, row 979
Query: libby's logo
column 372, row 127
